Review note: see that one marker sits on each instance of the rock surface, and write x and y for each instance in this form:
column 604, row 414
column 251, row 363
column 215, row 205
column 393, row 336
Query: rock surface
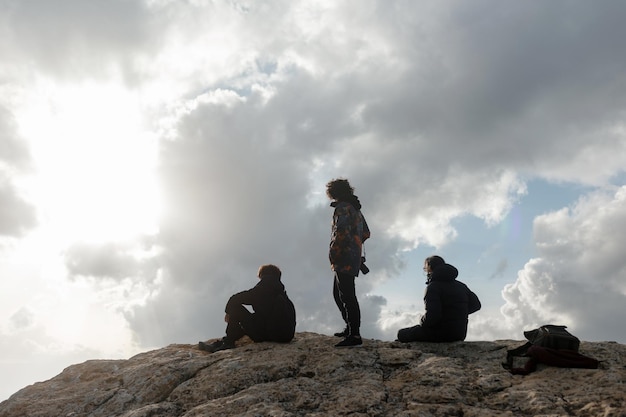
column 310, row 377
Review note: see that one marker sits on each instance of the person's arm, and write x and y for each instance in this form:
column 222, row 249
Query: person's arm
column 248, row 297
column 433, row 306
column 341, row 235
column 366, row 230
column 473, row 302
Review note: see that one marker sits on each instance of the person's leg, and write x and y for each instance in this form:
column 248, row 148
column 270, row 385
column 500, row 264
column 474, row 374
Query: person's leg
column 254, row 327
column 347, row 295
column 414, row 334
column 234, row 329
column 340, row 306
column 242, row 322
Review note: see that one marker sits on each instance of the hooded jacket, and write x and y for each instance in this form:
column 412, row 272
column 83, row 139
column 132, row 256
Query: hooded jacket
column 349, row 231
column 263, row 297
column 448, row 302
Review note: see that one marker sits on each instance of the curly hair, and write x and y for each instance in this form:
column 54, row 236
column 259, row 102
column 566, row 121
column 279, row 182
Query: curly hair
column 339, row 189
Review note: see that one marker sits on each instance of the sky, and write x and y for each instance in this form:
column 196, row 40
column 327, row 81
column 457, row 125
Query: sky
column 155, row 153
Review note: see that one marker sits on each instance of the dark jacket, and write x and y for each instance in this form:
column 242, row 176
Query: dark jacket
column 278, row 325
column 349, row 231
column 448, row 302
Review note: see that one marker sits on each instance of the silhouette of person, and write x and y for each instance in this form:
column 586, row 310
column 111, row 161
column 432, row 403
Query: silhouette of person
column 349, row 231
column 274, row 317
column 448, row 303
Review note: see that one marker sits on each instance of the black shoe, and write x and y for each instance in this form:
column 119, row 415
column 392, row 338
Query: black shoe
column 209, row 347
column 350, row 341
column 343, row 333
column 224, row 344
column 216, row 346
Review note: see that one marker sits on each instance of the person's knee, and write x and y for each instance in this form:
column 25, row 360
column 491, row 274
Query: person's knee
column 349, row 299
column 413, row 334
column 237, row 313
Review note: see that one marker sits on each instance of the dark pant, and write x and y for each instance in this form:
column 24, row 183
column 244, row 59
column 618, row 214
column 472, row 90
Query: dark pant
column 344, row 293
column 242, row 322
column 425, row 334
column 416, row 334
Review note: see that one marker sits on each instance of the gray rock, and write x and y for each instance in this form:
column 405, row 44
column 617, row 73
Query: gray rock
column 310, row 377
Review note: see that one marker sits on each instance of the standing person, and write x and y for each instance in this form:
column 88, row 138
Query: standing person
column 448, row 302
column 274, row 317
column 349, row 231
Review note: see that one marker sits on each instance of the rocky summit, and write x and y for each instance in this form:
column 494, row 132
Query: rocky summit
column 310, row 377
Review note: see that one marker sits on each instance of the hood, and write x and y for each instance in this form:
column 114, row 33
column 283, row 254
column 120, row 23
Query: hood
column 445, row 272
column 352, row 200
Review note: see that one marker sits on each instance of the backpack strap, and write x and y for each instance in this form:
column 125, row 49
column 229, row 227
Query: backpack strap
column 512, row 353
column 563, row 358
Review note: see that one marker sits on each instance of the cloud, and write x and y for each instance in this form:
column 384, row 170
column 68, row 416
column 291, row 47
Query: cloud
column 73, row 38
column 23, row 318
column 431, row 116
column 13, row 152
column 500, row 269
column 234, row 202
column 113, row 260
column 17, row 215
column 578, row 277
column 434, row 111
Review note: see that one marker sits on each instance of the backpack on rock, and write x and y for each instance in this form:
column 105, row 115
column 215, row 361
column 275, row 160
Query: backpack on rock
column 553, row 337
column 551, row 345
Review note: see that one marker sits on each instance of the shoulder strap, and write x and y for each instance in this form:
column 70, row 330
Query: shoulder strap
column 512, row 353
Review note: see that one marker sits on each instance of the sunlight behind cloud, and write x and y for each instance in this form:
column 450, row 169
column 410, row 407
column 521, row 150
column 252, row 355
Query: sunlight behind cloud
column 95, row 163
column 221, row 122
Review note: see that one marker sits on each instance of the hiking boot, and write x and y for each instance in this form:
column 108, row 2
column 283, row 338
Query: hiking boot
column 223, row 345
column 208, row 347
column 343, row 333
column 350, row 341
column 216, row 346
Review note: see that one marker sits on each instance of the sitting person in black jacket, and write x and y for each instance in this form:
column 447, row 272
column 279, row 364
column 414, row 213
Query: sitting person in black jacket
column 448, row 302
column 274, row 317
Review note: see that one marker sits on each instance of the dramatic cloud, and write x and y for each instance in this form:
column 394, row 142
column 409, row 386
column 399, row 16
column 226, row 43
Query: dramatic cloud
column 578, row 277
column 432, row 116
column 153, row 154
